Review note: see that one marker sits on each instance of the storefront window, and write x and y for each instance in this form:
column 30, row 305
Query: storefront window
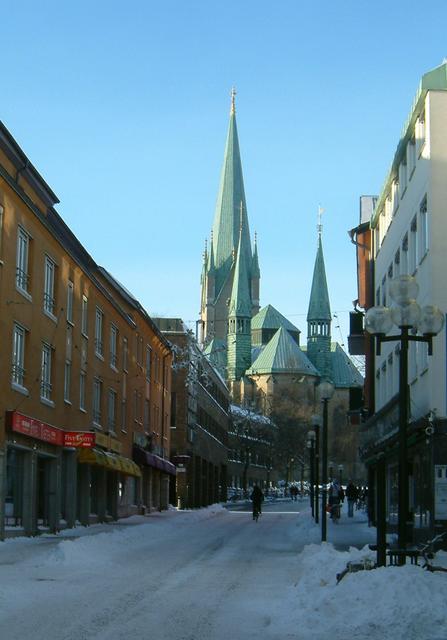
column 14, row 488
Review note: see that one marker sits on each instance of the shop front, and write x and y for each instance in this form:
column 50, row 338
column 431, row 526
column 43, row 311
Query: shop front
column 33, row 471
column 155, row 479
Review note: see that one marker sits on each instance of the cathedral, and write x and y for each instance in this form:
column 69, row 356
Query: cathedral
column 258, row 350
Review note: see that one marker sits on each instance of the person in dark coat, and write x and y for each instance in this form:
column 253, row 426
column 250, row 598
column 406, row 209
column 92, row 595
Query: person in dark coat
column 257, row 497
column 352, row 493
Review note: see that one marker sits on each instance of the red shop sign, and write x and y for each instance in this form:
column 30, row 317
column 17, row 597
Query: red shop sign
column 36, row 429
column 83, row 439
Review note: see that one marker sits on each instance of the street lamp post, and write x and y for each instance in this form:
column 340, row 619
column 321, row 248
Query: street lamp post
column 340, row 474
column 311, row 447
column 407, row 315
column 326, row 389
column 316, row 422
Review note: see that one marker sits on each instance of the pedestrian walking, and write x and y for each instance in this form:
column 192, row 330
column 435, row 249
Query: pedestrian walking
column 352, row 494
column 257, row 497
column 335, row 493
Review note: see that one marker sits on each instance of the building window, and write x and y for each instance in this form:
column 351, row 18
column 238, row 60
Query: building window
column 67, row 381
column 384, row 291
column 139, row 349
column 48, row 294
column 148, row 362
column 18, row 356
column 23, row 250
column 125, row 354
column 137, row 398
column 113, row 346
column 378, row 296
column 404, row 256
column 124, row 415
column 411, row 153
column 45, row 378
column 420, row 131
column 423, row 229
column 1, row 229
column 84, row 316
column 82, row 383
column 111, row 423
column 403, row 177
column 397, row 263
column 147, row 416
column 99, row 346
column 97, row 397
column 70, row 289
column 413, row 248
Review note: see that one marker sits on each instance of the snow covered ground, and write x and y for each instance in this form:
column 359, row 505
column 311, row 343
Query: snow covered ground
column 213, row 574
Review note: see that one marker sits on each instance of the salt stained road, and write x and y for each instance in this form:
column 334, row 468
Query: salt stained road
column 210, row 575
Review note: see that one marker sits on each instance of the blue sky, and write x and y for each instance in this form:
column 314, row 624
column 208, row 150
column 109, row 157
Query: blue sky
column 123, row 108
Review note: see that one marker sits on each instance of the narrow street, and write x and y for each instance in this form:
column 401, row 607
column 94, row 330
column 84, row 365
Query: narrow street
column 191, row 580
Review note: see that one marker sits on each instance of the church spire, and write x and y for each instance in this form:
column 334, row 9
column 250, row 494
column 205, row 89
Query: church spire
column 319, row 313
column 239, row 315
column 227, row 214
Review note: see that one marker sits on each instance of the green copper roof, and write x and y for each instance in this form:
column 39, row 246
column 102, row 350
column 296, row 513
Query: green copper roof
column 282, row 355
column 227, row 218
column 255, row 271
column 344, row 372
column 270, row 318
column 319, row 307
column 240, row 301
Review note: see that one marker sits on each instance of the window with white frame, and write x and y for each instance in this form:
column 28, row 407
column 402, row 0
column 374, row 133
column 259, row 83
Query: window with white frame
column 97, row 398
column 403, row 177
column 70, row 290
column 413, row 248
column 23, row 249
column 48, row 294
column 67, row 381
column 82, row 386
column 18, row 356
column 395, row 194
column 420, row 132
column 113, row 346
column 111, row 412
column 45, row 376
column 99, row 345
column 412, row 360
column 411, row 155
column 423, row 229
column 384, row 291
column 404, row 255
column 84, row 316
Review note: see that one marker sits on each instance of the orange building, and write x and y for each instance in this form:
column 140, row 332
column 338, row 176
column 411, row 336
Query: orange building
column 86, row 375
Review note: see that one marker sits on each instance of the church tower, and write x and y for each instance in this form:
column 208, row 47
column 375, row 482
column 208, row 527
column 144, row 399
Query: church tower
column 319, row 316
column 230, row 244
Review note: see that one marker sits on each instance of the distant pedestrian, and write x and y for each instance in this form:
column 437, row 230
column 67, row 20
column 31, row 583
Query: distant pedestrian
column 334, row 500
column 352, row 494
column 257, row 497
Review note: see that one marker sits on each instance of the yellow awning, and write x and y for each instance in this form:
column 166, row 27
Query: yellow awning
column 109, row 460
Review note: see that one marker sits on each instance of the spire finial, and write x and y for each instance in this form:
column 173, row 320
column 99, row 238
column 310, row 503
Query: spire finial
column 233, row 101
column 319, row 225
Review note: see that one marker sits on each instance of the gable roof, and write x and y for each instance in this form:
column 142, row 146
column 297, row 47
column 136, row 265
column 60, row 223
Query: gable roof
column 270, row 318
column 282, row 355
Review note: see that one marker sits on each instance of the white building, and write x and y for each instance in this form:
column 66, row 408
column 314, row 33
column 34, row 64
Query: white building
column 409, row 236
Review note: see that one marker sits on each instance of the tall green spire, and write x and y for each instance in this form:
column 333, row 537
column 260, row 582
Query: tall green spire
column 239, row 316
column 227, row 214
column 319, row 316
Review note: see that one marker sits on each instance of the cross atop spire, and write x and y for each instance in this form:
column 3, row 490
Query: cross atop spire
column 319, row 225
column 233, row 101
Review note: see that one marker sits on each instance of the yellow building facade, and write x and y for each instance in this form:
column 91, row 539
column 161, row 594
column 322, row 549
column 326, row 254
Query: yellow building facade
column 85, row 377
